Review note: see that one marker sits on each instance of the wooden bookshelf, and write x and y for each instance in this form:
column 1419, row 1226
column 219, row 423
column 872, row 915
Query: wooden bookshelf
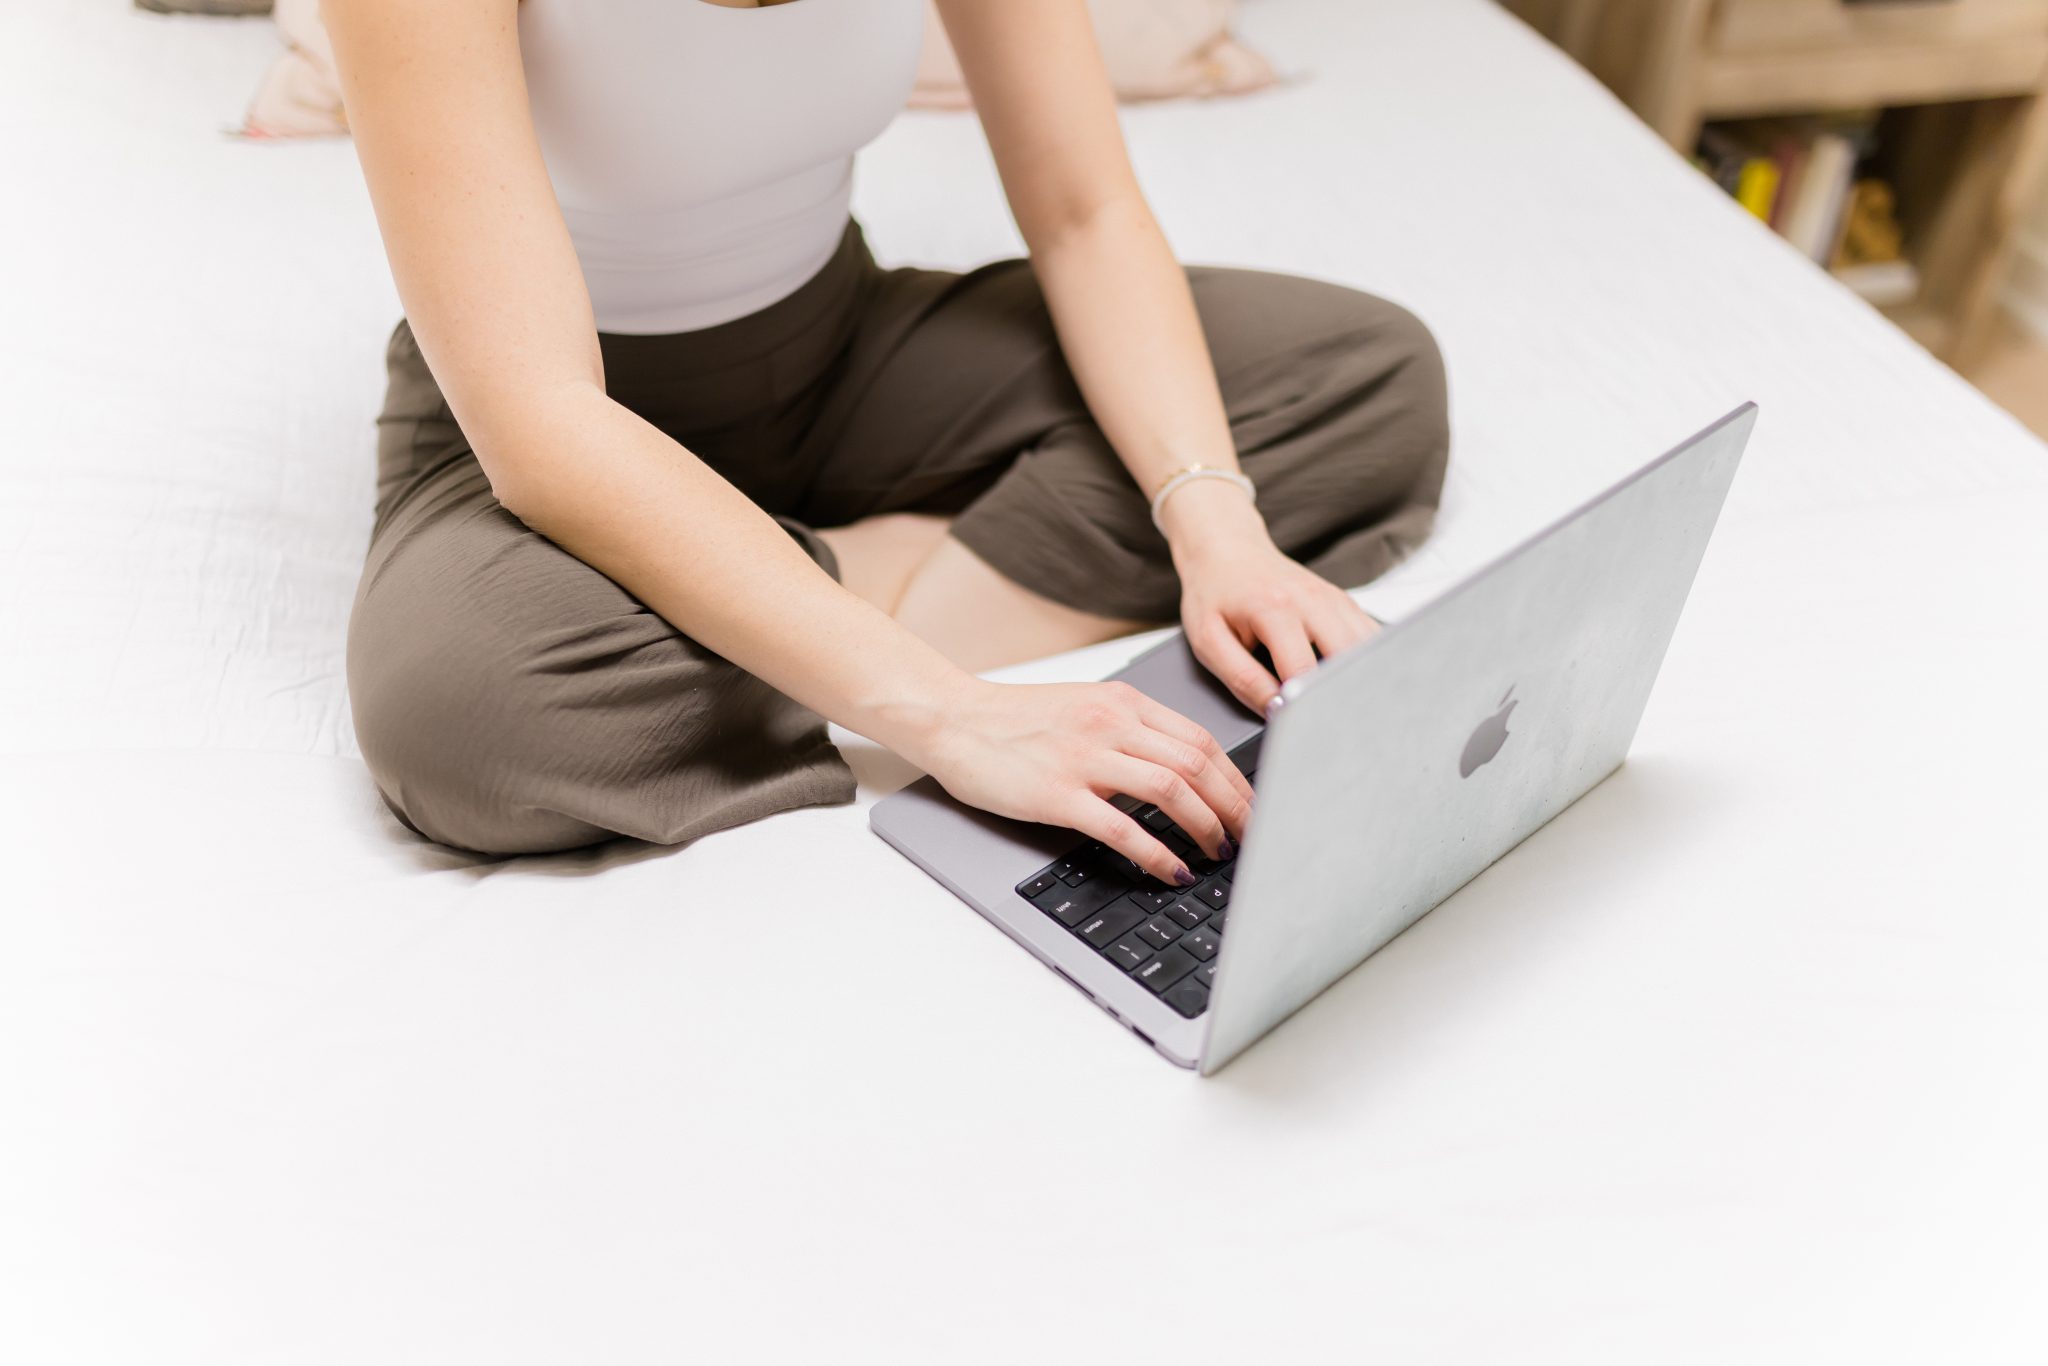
column 1970, row 77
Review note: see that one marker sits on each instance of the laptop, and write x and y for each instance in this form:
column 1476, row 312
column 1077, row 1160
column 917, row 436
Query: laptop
column 1393, row 774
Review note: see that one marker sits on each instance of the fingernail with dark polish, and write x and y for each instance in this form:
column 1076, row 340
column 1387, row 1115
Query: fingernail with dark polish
column 1228, row 851
column 1182, row 877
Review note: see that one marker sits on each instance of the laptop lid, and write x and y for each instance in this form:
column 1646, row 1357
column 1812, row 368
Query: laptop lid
column 1398, row 772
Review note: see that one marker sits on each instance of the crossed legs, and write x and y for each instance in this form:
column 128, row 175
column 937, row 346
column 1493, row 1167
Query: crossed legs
column 509, row 699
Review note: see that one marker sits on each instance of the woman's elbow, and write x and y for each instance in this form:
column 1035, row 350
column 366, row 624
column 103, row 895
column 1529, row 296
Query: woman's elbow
column 521, row 446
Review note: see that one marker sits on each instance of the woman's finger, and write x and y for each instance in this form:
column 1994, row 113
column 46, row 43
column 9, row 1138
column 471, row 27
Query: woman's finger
column 1100, row 821
column 1164, row 718
column 1286, row 639
column 1167, row 790
column 1224, row 655
column 1200, row 793
column 1339, row 624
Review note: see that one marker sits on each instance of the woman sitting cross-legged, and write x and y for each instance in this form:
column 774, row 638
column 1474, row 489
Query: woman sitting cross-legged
column 670, row 469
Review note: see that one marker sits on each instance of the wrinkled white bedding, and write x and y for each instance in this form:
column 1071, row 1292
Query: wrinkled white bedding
column 1738, row 1060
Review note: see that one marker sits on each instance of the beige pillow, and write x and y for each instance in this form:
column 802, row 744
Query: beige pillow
column 1155, row 50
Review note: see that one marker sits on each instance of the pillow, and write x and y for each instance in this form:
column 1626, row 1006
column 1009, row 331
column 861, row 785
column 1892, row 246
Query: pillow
column 1155, row 50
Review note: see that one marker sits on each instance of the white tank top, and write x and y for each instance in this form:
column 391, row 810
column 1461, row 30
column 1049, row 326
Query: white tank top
column 702, row 154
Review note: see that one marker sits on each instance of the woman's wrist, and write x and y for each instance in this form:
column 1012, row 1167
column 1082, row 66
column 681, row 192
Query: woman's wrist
column 1209, row 518
column 911, row 716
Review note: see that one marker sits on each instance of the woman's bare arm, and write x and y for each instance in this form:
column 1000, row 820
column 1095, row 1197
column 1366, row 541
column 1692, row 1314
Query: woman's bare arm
column 490, row 281
column 1128, row 327
column 491, row 284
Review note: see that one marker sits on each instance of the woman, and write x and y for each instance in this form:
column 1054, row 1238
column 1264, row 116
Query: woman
column 647, row 355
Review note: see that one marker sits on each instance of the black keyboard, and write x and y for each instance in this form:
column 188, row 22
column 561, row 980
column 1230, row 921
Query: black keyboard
column 1165, row 937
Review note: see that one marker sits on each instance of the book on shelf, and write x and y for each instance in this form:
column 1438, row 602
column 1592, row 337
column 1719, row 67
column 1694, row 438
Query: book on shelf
column 1756, row 189
column 1790, row 154
column 1815, row 216
column 1721, row 158
column 1798, row 175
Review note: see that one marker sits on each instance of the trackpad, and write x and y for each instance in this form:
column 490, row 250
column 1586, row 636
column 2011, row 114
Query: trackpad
column 1170, row 673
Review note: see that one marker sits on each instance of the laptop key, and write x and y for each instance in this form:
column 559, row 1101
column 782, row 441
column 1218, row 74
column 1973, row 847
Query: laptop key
column 1206, row 973
column 1122, row 870
column 1188, row 996
column 1158, row 932
column 1187, row 914
column 1032, row 888
column 1128, row 953
column 1072, row 905
column 1215, row 893
column 1151, row 899
column 1155, row 820
column 1111, row 924
column 1081, row 871
column 1202, row 943
column 1165, row 969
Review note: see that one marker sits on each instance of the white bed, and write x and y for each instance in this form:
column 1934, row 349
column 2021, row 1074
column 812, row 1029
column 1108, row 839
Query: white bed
column 1740, row 1060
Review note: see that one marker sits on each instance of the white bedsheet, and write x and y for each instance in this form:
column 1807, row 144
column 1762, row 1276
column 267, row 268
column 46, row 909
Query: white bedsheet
column 1740, row 1059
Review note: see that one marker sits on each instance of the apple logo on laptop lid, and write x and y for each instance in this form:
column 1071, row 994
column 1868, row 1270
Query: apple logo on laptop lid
column 1487, row 740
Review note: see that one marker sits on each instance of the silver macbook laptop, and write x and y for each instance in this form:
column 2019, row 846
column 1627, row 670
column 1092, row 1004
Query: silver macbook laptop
column 1395, row 773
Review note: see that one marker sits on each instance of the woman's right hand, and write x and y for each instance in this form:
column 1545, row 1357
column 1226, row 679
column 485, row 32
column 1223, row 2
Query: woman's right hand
column 1056, row 753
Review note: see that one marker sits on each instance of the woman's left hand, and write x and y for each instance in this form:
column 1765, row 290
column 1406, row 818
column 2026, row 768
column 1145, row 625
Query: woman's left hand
column 1238, row 591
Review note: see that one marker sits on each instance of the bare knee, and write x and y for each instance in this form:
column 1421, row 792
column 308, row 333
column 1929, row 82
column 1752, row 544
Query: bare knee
column 878, row 556
column 982, row 619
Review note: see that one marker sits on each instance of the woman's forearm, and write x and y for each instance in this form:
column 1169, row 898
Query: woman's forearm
column 622, row 496
column 1128, row 327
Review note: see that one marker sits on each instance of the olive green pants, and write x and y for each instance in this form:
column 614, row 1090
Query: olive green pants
column 508, row 698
